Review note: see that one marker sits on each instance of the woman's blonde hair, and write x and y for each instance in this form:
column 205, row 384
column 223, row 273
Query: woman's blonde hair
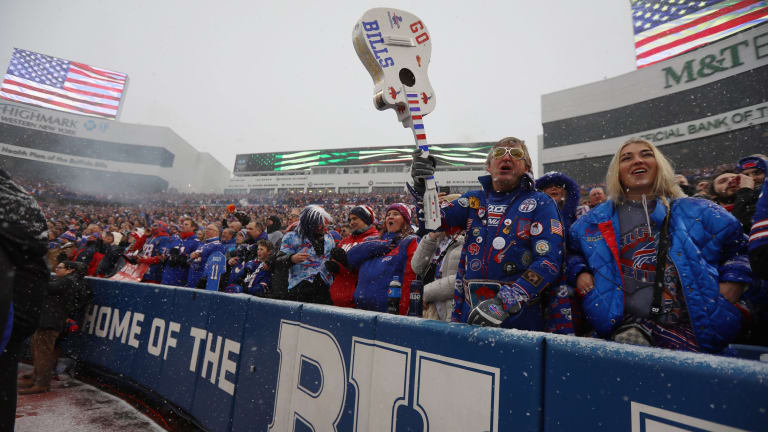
column 664, row 185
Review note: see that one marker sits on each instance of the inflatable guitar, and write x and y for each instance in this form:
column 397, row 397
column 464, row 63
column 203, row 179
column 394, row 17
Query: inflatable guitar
column 394, row 47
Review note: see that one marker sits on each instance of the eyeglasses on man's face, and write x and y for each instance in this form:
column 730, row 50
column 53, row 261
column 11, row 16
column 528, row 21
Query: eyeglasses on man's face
column 514, row 152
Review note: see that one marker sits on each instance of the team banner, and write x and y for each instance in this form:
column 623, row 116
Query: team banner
column 237, row 363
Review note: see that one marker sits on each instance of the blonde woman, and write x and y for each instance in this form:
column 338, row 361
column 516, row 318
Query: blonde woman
column 648, row 223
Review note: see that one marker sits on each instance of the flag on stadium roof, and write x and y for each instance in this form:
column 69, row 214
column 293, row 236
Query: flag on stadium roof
column 65, row 85
column 666, row 28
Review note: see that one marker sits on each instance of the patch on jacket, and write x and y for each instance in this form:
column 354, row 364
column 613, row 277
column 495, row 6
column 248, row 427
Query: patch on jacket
column 532, row 277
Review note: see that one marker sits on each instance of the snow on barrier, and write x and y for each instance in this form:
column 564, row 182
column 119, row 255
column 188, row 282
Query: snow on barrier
column 235, row 362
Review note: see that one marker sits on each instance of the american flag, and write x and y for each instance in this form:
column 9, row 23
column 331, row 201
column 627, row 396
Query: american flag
column 666, row 28
column 557, row 227
column 51, row 82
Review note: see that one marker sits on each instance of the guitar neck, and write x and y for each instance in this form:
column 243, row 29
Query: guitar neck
column 417, row 123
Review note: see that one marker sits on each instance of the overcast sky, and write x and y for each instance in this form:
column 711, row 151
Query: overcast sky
column 255, row 76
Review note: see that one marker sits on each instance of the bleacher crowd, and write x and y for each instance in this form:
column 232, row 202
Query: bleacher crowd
column 544, row 254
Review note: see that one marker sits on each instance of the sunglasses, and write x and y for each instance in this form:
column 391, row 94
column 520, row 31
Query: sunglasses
column 514, row 152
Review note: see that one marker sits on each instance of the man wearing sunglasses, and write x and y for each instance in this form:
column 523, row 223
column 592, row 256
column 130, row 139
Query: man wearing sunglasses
column 514, row 240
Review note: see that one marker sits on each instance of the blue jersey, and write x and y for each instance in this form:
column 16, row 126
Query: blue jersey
column 151, row 252
column 214, row 268
column 196, row 265
column 513, row 238
column 258, row 280
column 176, row 273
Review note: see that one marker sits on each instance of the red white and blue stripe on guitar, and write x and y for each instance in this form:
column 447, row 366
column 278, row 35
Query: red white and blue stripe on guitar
column 419, row 134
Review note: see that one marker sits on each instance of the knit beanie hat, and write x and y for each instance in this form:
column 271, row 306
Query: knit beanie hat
column 751, row 162
column 402, row 209
column 364, row 212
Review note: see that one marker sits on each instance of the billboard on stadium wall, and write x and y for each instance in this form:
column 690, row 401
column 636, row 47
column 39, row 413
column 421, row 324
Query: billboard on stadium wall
column 97, row 155
column 445, row 154
column 706, row 107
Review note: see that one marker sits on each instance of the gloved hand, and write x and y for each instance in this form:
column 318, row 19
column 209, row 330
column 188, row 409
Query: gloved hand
column 332, row 266
column 493, row 312
column 242, row 217
column 131, row 258
column 489, row 313
column 340, row 255
column 420, row 169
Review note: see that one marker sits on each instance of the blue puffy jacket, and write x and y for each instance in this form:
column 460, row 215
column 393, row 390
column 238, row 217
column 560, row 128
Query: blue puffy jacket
column 756, row 297
column 378, row 263
column 707, row 247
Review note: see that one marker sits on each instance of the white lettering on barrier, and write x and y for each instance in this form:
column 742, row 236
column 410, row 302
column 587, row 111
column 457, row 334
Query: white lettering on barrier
column 90, row 319
column 437, row 375
column 380, row 373
column 105, row 313
column 321, row 412
column 106, row 322
column 198, row 334
column 211, row 357
column 228, row 365
column 135, row 329
column 170, row 341
column 157, row 329
column 119, row 328
column 651, row 419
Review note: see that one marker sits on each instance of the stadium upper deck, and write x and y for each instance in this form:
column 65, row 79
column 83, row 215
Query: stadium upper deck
column 704, row 107
column 355, row 170
column 100, row 155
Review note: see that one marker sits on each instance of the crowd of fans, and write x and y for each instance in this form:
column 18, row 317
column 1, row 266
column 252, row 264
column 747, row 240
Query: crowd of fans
column 551, row 264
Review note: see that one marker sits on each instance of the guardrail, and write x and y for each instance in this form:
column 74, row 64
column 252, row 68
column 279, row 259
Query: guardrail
column 236, row 362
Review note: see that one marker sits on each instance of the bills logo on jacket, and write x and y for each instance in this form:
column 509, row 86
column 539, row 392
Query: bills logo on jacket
column 495, row 213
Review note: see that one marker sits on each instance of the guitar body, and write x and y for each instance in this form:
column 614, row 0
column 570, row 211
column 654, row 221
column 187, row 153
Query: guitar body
column 395, row 48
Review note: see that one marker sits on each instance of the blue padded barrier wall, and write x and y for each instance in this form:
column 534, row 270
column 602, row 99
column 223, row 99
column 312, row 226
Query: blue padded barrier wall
column 587, row 380
column 236, row 362
column 259, row 362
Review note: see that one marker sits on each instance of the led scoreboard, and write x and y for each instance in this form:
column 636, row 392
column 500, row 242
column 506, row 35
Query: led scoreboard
column 445, row 154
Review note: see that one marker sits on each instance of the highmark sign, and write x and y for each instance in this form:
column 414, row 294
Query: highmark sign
column 715, row 60
column 699, row 128
column 75, row 161
column 48, row 121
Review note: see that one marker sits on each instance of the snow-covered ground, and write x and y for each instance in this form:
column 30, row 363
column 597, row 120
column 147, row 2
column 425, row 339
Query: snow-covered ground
column 72, row 405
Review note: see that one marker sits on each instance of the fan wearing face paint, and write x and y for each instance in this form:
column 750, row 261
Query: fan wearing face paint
column 654, row 267
column 513, row 246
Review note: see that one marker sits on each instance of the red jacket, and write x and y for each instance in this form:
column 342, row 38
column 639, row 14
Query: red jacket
column 344, row 283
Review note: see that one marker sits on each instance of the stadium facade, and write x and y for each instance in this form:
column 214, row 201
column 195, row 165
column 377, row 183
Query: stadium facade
column 704, row 108
column 98, row 155
column 354, row 170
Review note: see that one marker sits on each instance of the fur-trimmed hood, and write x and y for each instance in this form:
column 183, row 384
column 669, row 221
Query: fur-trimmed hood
column 572, row 193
